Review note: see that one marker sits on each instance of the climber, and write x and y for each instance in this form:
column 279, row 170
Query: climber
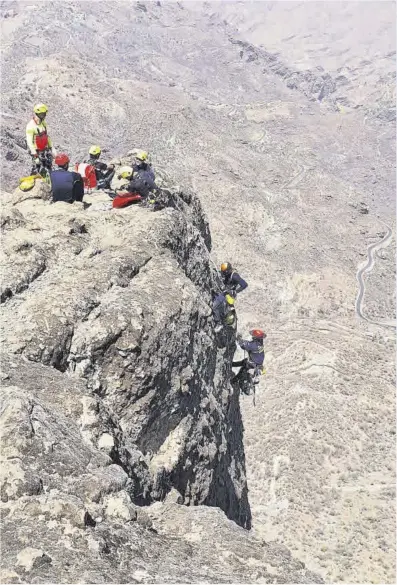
column 38, row 141
column 142, row 166
column 66, row 185
column 138, row 183
column 232, row 281
column 125, row 175
column 255, row 359
column 224, row 312
column 104, row 173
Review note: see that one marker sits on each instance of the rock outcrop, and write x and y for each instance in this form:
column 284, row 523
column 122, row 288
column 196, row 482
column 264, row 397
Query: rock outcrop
column 68, row 510
column 116, row 395
column 317, row 84
column 122, row 299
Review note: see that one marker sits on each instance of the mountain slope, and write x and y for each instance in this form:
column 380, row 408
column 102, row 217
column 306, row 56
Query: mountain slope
column 286, row 181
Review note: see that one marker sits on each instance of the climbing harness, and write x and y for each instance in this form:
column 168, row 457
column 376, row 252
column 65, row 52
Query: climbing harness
column 44, row 165
column 248, row 381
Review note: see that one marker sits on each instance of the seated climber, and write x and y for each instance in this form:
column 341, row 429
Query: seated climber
column 232, row 281
column 224, row 312
column 66, row 185
column 142, row 168
column 252, row 365
column 104, row 173
column 137, row 183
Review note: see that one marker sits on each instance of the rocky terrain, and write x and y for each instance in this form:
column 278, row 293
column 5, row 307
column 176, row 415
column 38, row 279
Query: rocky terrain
column 116, row 395
column 314, row 48
column 288, row 140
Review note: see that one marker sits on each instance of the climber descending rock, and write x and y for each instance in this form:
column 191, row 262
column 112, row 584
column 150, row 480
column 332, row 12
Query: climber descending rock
column 252, row 366
column 224, row 312
column 232, row 281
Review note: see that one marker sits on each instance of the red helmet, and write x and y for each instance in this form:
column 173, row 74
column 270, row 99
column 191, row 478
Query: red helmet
column 258, row 334
column 62, row 159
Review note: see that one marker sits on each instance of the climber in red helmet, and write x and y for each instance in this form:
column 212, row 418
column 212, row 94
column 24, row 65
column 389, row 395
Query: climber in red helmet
column 66, row 185
column 253, row 364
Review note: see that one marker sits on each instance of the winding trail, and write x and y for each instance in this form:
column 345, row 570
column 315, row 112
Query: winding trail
column 367, row 267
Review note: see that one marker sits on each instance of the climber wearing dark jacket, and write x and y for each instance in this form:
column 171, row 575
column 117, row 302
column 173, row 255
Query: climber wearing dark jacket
column 140, row 185
column 142, row 167
column 256, row 354
column 232, row 281
column 224, row 311
column 66, row 185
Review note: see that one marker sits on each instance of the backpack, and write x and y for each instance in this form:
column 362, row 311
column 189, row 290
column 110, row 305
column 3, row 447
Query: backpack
column 27, row 183
column 88, row 174
column 125, row 199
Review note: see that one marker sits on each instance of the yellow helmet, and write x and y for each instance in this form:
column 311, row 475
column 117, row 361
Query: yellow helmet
column 95, row 150
column 229, row 299
column 142, row 156
column 125, row 173
column 40, row 109
column 226, row 267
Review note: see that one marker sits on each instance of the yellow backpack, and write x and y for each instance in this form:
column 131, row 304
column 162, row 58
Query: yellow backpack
column 27, row 183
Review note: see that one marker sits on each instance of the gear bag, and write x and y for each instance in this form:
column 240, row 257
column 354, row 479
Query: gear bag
column 125, row 199
column 27, row 183
column 88, row 174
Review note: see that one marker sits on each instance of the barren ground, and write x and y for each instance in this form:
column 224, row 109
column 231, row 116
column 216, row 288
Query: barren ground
column 282, row 176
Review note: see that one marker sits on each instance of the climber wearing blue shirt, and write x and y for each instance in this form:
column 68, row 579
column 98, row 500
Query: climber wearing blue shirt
column 256, row 354
column 232, row 281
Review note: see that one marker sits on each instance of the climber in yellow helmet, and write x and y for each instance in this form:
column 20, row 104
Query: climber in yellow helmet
column 104, row 173
column 142, row 167
column 224, row 312
column 38, row 141
column 232, row 281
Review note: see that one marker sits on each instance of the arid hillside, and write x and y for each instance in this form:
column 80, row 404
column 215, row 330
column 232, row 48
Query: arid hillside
column 280, row 116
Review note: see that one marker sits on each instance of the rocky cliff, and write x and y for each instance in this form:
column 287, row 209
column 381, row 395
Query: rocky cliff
column 116, row 395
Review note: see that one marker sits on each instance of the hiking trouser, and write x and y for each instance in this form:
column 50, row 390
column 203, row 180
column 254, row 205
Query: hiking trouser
column 245, row 365
column 43, row 159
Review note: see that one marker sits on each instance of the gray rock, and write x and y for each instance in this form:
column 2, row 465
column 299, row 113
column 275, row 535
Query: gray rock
column 134, row 322
column 116, row 397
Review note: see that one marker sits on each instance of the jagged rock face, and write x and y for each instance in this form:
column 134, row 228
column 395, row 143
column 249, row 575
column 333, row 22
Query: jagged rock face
column 68, row 511
column 122, row 299
column 116, row 394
